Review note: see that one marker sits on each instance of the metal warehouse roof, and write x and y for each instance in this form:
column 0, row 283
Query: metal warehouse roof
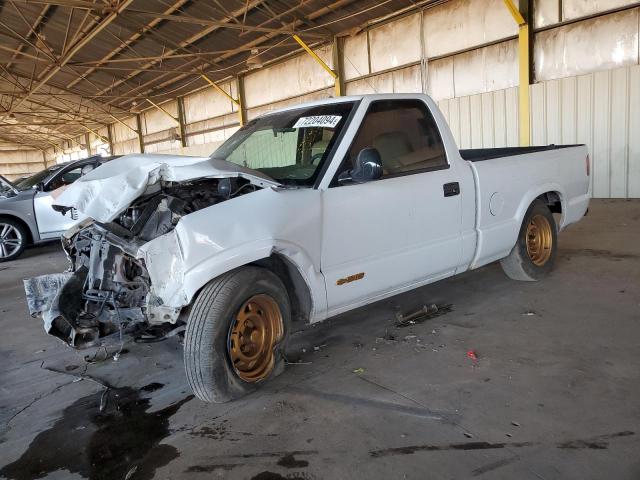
column 68, row 66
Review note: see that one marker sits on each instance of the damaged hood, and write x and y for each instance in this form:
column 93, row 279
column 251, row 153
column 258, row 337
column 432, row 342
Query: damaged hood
column 107, row 191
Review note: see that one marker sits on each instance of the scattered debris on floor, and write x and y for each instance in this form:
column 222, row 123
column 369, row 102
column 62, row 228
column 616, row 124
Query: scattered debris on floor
column 472, row 355
column 529, row 313
column 427, row 312
column 359, row 370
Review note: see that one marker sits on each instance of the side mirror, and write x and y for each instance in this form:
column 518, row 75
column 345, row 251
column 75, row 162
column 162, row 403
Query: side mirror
column 39, row 186
column 368, row 167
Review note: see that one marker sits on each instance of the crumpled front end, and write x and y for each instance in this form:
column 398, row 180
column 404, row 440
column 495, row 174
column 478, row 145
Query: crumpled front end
column 105, row 293
column 125, row 276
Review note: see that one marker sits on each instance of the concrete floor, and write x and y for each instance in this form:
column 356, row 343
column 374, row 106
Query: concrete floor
column 553, row 393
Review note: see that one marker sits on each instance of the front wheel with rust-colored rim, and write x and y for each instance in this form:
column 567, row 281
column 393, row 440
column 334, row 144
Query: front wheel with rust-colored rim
column 534, row 253
column 253, row 336
column 236, row 333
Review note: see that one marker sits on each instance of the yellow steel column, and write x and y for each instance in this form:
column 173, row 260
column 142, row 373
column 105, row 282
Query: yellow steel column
column 336, row 78
column 524, row 73
column 242, row 110
column 236, row 101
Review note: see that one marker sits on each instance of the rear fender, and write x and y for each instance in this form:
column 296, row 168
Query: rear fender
column 534, row 193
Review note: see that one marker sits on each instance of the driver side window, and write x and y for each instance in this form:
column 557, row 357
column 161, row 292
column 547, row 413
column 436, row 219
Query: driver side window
column 405, row 135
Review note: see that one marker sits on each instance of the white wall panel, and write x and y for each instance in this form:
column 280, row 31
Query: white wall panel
column 486, row 69
column 309, row 97
column 465, row 122
column 364, row 86
column 511, row 116
column 395, row 43
column 475, row 112
column 488, row 125
column 601, row 110
column 408, row 80
column 485, row 120
column 460, row 24
column 579, row 8
column 546, row 12
column 126, row 147
column 356, row 56
column 155, row 120
column 633, row 181
column 208, row 103
column 619, row 95
column 15, row 163
column 601, row 134
column 601, row 43
column 405, row 80
column 122, row 133
column 499, row 119
column 568, row 110
column 440, row 83
column 584, row 114
column 553, row 122
column 296, row 76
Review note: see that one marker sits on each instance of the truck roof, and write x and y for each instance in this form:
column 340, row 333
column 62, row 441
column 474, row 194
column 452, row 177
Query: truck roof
column 352, row 98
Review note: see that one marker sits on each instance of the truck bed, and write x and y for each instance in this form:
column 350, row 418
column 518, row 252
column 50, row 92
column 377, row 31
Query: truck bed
column 480, row 154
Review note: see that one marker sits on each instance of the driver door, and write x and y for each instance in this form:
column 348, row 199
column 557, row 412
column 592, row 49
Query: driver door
column 52, row 224
column 388, row 235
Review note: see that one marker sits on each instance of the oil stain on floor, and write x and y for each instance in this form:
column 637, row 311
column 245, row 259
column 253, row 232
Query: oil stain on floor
column 121, row 441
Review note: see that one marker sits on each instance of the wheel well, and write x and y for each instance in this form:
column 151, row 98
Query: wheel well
column 21, row 222
column 297, row 288
column 552, row 200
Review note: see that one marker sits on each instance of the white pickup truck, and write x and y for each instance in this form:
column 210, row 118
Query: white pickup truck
column 302, row 214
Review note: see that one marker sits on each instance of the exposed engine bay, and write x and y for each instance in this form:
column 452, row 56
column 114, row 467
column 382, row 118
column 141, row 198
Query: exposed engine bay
column 107, row 292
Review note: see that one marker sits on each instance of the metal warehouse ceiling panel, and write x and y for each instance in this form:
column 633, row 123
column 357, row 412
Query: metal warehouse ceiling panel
column 76, row 64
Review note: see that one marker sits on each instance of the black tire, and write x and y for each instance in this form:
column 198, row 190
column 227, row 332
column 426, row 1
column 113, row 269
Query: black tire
column 15, row 232
column 519, row 265
column 207, row 360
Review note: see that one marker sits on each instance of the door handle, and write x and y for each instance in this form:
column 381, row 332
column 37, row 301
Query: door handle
column 451, row 189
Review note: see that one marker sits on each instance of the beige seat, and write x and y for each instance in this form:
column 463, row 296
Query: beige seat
column 392, row 146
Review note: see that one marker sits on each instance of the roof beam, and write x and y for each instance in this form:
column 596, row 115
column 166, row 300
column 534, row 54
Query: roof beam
column 194, row 38
column 70, row 3
column 79, row 45
column 220, row 24
column 254, row 43
column 34, row 28
column 130, row 40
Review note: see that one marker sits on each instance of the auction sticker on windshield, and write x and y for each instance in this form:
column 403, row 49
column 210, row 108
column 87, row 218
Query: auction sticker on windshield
column 328, row 121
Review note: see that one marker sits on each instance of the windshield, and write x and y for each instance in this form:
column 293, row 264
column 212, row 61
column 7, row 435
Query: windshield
column 290, row 146
column 36, row 178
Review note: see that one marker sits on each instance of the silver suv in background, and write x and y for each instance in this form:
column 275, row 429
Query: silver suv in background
column 26, row 213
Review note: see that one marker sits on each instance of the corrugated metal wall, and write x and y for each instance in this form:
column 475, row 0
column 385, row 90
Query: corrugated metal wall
column 16, row 163
column 601, row 110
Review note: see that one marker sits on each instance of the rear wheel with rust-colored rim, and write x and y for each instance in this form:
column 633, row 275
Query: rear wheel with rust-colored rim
column 534, row 253
column 254, row 333
column 539, row 239
column 236, row 334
